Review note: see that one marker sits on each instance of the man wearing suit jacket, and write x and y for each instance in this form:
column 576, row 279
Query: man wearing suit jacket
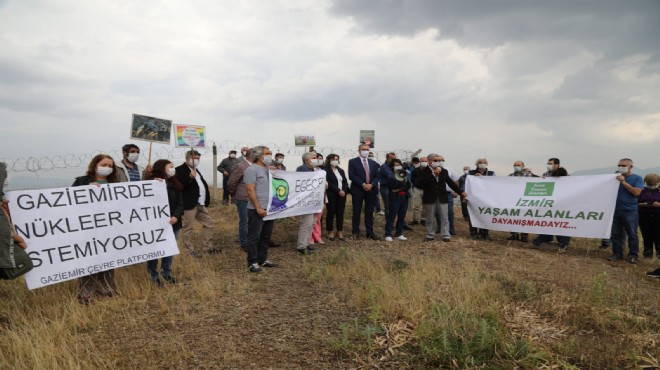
column 363, row 173
column 196, row 198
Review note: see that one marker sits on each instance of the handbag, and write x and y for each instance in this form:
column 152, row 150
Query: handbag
column 22, row 261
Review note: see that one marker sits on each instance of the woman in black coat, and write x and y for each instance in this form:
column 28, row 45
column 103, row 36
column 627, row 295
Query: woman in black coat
column 164, row 169
column 336, row 193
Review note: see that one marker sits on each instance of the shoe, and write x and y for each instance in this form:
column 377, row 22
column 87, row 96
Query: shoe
column 373, row 237
column 452, row 232
column 406, row 227
column 170, row 279
column 331, row 236
column 474, row 237
column 615, row 257
column 604, row 244
column 536, row 243
column 254, row 268
column 389, row 239
column 214, row 250
column 513, row 237
column 157, row 282
column 268, row 264
column 340, row 236
column 562, row 250
column 427, row 239
column 305, row 251
column 310, row 248
column 414, row 222
column 648, row 256
column 272, row 244
column 381, row 213
column 446, row 239
column 632, row 259
column 654, row 274
column 487, row 238
column 422, row 222
column 402, row 238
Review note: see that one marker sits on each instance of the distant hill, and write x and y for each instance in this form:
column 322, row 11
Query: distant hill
column 600, row 171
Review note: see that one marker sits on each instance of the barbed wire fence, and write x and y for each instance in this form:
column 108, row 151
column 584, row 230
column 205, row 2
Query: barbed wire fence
column 60, row 170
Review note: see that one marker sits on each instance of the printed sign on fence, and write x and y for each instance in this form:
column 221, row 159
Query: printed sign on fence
column 304, row 140
column 368, row 137
column 78, row 231
column 570, row 206
column 295, row 194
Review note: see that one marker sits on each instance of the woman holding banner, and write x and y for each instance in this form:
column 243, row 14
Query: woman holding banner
column 101, row 170
column 164, row 169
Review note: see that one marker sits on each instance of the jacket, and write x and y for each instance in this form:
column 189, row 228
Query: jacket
column 190, row 187
column 175, row 200
column 435, row 190
column 122, row 175
column 358, row 177
column 228, row 164
column 235, row 184
column 332, row 181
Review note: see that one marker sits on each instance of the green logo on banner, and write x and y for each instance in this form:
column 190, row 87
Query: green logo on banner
column 539, row 189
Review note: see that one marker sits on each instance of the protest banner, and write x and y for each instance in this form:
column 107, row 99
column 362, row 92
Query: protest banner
column 571, row 206
column 190, row 136
column 304, row 140
column 368, row 137
column 295, row 194
column 78, row 231
column 151, row 129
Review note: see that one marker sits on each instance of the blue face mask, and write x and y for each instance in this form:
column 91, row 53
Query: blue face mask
column 517, row 168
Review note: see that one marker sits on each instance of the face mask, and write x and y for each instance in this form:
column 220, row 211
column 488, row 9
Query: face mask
column 364, row 154
column 549, row 167
column 232, row 156
column 243, row 153
column 334, row 163
column 171, row 172
column 424, row 164
column 435, row 164
column 397, row 168
column 193, row 163
column 5, row 185
column 103, row 171
column 268, row 160
column 133, row 157
column 482, row 166
column 623, row 170
column 442, row 163
column 280, row 160
column 517, row 168
column 416, row 165
column 652, row 187
column 466, row 171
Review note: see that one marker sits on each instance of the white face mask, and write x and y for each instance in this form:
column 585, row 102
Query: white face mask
column 268, row 160
column 193, row 163
column 334, row 163
column 424, row 164
column 171, row 172
column 442, row 163
column 133, row 157
column 549, row 167
column 517, row 169
column 652, row 187
column 623, row 170
column 232, row 156
column 482, row 166
column 416, row 165
column 435, row 164
column 396, row 168
column 103, row 171
column 466, row 171
column 364, row 153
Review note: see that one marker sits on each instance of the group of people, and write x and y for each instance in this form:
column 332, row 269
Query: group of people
column 424, row 186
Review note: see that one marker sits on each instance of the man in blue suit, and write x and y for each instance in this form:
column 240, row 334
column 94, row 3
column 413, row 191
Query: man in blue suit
column 363, row 173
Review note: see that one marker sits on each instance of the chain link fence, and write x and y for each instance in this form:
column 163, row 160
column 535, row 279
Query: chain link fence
column 61, row 170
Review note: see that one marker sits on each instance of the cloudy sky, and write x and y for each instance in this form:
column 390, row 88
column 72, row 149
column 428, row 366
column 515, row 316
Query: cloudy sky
column 506, row 80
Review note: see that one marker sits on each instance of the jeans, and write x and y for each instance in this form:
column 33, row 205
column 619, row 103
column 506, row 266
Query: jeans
column 241, row 207
column 625, row 221
column 225, row 192
column 259, row 232
column 398, row 207
column 165, row 263
column 385, row 196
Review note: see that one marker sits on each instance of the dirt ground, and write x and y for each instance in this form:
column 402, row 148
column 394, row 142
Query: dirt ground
column 221, row 316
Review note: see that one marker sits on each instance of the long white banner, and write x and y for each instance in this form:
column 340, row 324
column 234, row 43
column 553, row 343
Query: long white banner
column 78, row 231
column 295, row 194
column 571, row 206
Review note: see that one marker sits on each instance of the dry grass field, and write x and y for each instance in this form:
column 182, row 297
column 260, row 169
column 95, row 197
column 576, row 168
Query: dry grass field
column 355, row 304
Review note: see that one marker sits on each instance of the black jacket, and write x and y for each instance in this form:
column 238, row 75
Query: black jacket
column 175, row 199
column 190, row 187
column 435, row 190
column 331, row 179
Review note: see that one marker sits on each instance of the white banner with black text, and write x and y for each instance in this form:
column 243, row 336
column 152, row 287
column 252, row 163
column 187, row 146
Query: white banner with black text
column 78, row 231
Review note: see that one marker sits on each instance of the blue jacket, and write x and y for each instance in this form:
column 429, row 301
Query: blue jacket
column 357, row 175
